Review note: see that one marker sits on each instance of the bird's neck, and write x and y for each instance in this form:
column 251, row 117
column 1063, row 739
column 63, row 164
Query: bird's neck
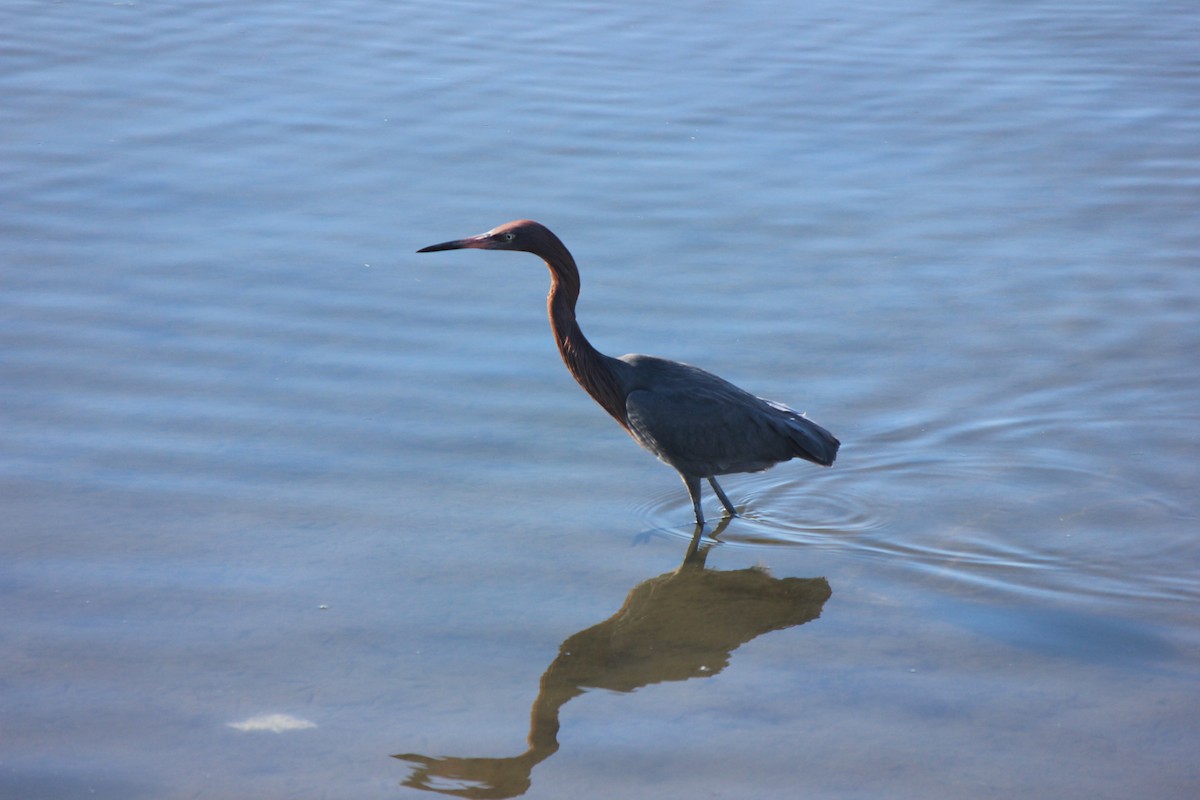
column 590, row 367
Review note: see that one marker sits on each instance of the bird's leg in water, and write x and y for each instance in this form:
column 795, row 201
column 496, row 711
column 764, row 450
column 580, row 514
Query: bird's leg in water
column 693, row 486
column 724, row 500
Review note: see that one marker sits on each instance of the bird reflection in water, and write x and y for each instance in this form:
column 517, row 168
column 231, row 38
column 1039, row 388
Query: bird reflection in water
column 681, row 625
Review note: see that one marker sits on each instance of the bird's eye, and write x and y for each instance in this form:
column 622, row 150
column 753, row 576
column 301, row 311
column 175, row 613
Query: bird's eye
column 509, row 236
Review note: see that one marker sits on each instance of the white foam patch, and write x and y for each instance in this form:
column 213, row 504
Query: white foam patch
column 276, row 723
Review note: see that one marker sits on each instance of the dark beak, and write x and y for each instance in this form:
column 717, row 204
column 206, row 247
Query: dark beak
column 480, row 241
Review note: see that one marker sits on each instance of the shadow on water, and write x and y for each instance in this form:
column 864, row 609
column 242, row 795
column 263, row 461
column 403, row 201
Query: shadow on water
column 680, row 625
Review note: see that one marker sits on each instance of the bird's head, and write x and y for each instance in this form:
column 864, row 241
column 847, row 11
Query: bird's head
column 523, row 234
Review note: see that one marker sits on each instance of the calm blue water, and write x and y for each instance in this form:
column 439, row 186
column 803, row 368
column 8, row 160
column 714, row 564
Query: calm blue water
column 282, row 499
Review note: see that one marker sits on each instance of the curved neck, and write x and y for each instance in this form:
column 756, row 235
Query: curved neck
column 588, row 365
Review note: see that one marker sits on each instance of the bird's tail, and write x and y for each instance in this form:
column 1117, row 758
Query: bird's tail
column 813, row 443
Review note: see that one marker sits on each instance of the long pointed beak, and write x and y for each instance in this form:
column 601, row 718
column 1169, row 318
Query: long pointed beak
column 480, row 241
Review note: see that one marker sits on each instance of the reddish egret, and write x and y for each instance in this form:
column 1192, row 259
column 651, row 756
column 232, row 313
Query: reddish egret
column 700, row 424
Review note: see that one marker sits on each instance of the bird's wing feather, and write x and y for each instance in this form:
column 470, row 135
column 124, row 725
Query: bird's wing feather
column 703, row 425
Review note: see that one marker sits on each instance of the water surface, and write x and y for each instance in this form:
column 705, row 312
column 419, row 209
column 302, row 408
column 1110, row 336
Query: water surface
column 282, row 499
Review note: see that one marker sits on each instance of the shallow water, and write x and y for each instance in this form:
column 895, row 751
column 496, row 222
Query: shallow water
column 283, row 500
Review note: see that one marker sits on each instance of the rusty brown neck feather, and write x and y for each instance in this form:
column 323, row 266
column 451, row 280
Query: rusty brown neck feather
column 586, row 363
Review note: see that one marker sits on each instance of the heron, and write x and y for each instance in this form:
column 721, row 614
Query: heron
column 700, row 424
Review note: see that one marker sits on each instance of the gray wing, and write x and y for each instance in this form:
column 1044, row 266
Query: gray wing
column 703, row 425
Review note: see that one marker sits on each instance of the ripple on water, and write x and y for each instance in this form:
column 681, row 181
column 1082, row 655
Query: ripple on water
column 774, row 509
column 1016, row 506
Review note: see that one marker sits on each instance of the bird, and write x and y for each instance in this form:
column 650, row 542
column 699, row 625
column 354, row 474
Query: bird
column 692, row 420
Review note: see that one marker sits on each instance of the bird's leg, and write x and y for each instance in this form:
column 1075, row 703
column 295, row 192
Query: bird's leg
column 724, row 500
column 693, row 486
